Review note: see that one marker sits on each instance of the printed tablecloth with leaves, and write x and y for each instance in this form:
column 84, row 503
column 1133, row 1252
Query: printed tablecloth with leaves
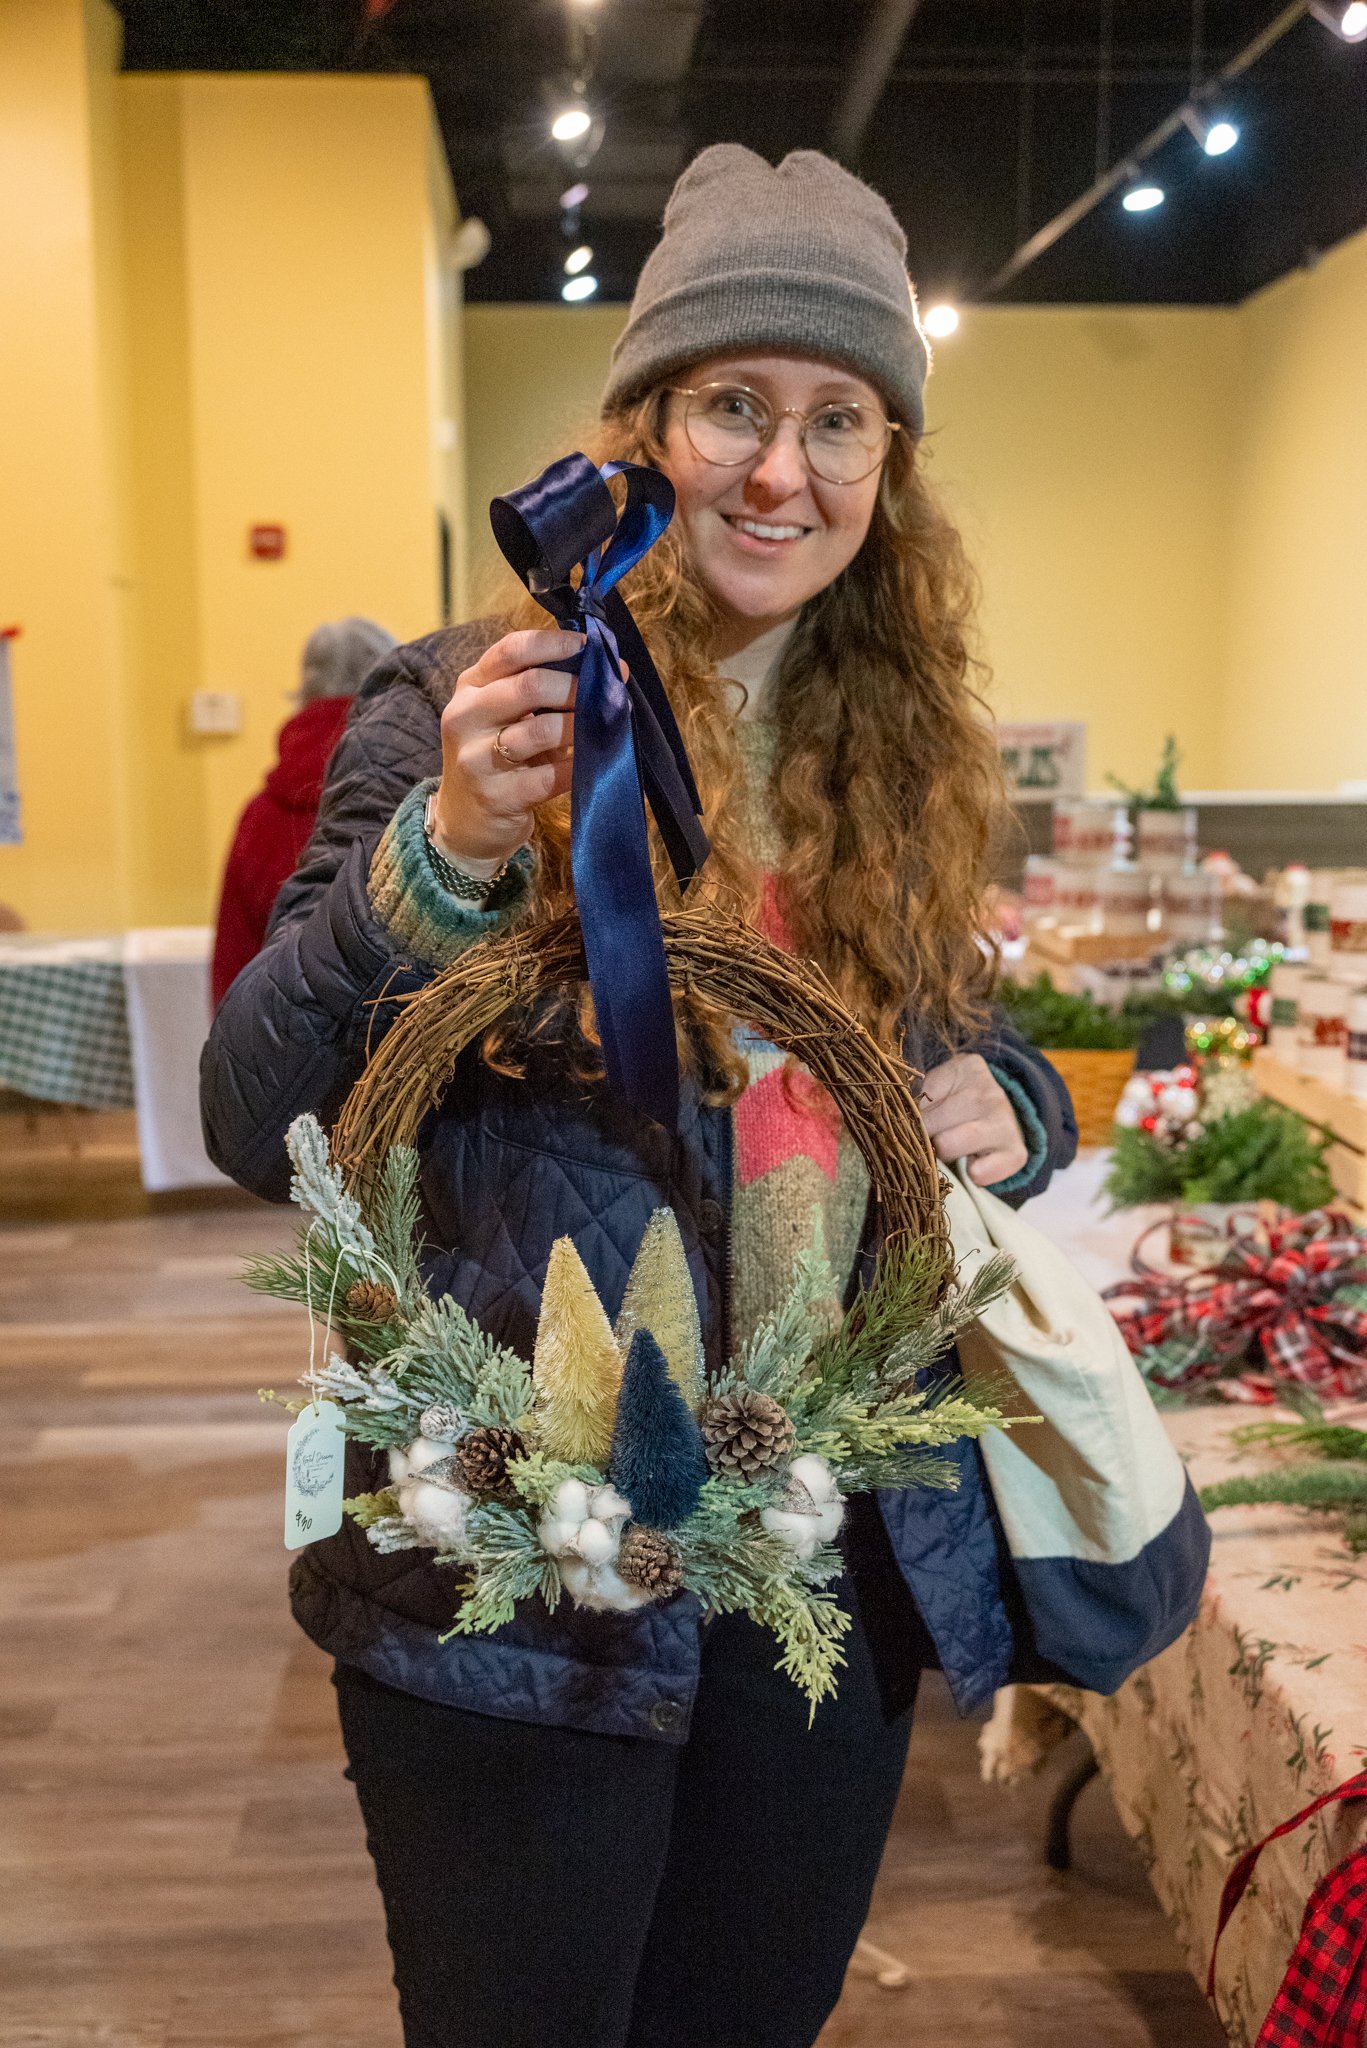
column 1259, row 1708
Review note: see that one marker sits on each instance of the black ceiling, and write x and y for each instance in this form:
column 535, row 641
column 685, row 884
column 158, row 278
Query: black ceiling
column 986, row 127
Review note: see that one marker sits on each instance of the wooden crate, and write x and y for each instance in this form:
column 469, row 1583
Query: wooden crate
column 1095, row 1080
column 1343, row 1114
column 1070, row 945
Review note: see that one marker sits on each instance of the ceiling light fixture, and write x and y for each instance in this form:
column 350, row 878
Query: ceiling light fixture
column 1348, row 23
column 1215, row 137
column 939, row 321
column 579, row 259
column 571, row 124
column 582, row 287
column 1142, row 194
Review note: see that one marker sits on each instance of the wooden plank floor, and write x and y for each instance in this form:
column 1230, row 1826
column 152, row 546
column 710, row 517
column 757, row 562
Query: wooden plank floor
column 181, row 1862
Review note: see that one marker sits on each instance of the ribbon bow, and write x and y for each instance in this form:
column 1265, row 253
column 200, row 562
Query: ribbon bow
column 1296, row 1291
column 627, row 750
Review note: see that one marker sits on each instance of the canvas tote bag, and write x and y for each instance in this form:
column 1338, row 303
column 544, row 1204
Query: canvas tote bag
column 1104, row 1529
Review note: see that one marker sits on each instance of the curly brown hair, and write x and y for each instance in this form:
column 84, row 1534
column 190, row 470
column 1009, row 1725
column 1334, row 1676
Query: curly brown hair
column 887, row 785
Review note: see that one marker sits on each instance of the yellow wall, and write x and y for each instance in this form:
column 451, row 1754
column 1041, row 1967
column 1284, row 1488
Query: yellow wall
column 59, row 553
column 1295, row 702
column 533, row 378
column 305, row 228
column 225, row 300
column 1085, row 454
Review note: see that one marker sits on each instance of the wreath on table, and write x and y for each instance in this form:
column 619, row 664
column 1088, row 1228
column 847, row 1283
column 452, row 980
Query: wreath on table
column 608, row 1468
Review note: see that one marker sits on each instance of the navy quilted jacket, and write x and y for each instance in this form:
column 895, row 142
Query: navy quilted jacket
column 507, row 1167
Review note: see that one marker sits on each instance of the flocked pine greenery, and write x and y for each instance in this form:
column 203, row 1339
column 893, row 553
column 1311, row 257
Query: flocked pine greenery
column 616, row 1408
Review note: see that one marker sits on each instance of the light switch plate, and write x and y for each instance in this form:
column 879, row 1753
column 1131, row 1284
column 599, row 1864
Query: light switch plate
column 216, row 712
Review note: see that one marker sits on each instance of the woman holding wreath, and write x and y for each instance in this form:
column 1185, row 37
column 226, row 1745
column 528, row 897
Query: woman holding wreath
column 618, row 1831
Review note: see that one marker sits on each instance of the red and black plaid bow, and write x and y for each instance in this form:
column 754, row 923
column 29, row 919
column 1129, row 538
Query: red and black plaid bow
column 1322, row 2000
column 1292, row 1297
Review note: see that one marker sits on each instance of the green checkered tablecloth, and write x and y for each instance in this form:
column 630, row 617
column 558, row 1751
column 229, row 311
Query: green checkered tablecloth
column 64, row 1022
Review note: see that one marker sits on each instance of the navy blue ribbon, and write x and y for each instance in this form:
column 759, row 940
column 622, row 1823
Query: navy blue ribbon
column 627, row 750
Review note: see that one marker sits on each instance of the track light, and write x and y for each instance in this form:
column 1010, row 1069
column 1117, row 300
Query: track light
column 1142, row 194
column 1348, row 23
column 579, row 259
column 582, row 287
column 572, row 123
column 938, row 321
column 1215, row 137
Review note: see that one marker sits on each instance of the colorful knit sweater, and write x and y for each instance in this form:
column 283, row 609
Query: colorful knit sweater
column 792, row 1153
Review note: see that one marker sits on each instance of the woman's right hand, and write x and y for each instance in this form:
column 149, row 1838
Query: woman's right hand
column 506, row 747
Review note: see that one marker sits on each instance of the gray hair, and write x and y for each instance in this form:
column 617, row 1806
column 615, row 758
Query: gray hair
column 339, row 656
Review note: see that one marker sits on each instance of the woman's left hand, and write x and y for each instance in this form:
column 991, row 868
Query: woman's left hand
column 968, row 1115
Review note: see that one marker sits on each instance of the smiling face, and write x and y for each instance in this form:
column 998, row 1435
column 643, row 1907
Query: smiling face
column 766, row 535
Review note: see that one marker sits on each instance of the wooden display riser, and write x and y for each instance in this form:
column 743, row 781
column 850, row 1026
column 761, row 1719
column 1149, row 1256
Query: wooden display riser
column 1334, row 1110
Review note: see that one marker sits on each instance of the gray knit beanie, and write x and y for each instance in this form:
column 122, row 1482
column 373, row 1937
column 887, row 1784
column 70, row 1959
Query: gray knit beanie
column 805, row 256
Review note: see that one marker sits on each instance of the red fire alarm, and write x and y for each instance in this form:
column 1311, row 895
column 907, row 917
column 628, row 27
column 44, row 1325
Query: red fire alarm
column 266, row 543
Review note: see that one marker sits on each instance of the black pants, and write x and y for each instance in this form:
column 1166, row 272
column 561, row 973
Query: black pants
column 550, row 1889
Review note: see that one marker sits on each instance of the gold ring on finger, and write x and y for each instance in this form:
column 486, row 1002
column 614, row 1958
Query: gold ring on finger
column 499, row 748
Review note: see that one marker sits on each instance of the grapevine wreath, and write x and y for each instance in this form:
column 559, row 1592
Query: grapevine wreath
column 608, row 1469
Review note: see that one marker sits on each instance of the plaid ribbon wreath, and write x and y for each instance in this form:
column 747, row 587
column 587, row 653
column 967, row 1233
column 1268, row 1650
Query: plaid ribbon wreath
column 1322, row 2000
column 1291, row 1297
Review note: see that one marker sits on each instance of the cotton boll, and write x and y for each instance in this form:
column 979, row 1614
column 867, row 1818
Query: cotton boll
column 572, row 1500
column 577, row 1579
column 828, row 1518
column 556, row 1534
column 799, row 1532
column 613, row 1594
column 399, row 1467
column 595, row 1542
column 600, row 1589
column 423, row 1452
column 816, row 1475
column 607, row 1505
column 435, row 1511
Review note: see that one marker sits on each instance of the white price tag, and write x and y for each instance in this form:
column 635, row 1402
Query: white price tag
column 315, row 1451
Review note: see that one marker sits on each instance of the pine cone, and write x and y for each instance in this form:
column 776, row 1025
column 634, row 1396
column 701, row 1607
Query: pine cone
column 648, row 1560
column 481, row 1459
column 442, row 1423
column 372, row 1301
column 746, row 1433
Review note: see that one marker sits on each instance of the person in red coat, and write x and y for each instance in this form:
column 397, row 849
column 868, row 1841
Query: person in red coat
column 274, row 828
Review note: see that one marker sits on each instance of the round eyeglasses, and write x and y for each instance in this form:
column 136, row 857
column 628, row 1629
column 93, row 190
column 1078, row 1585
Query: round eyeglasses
column 728, row 424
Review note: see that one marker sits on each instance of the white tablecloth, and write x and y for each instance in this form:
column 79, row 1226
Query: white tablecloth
column 166, row 987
